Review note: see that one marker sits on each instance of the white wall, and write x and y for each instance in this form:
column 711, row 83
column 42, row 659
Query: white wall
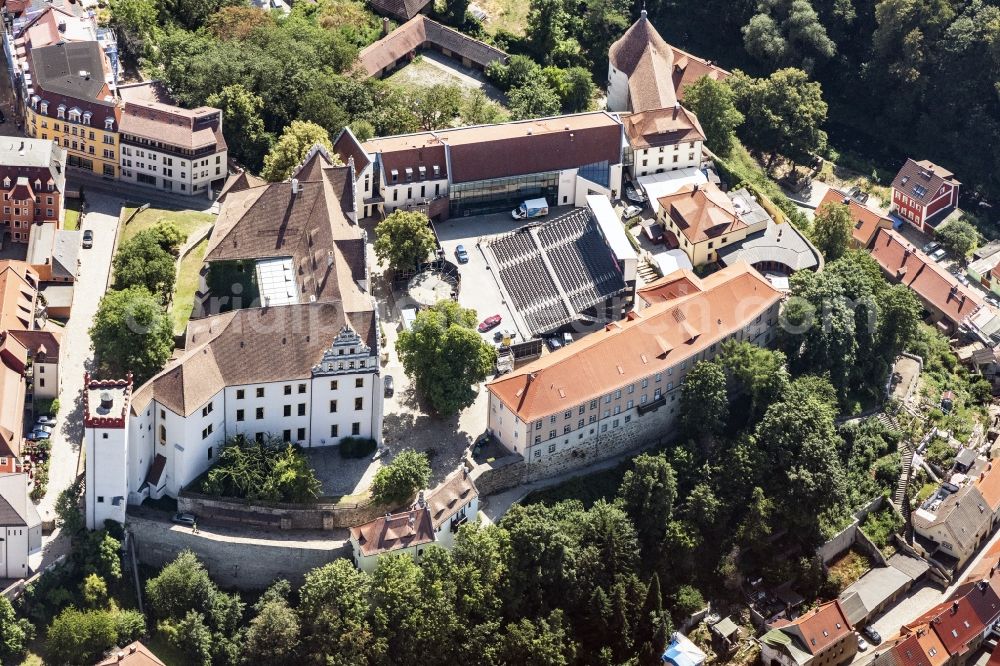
column 346, row 392
column 617, row 90
column 661, row 158
column 194, row 175
column 14, row 552
column 107, row 474
column 47, row 374
column 417, row 191
column 443, row 536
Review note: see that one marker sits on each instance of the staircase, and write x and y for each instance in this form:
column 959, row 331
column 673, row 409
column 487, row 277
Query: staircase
column 899, row 500
column 646, row 271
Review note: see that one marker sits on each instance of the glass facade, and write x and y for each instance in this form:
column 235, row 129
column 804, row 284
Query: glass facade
column 497, row 195
column 598, row 172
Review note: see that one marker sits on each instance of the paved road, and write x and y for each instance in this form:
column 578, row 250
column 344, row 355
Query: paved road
column 75, row 352
column 123, row 191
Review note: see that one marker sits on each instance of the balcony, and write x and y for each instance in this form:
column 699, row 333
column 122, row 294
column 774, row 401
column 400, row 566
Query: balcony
column 651, row 406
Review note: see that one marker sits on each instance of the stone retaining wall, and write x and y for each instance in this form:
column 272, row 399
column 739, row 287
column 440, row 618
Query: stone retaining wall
column 274, row 516
column 232, row 563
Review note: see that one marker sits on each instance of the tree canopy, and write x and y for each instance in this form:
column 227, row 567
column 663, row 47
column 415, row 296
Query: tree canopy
column 141, row 261
column 398, row 481
column 712, row 101
column 404, row 240
column 831, row 230
column 131, row 333
column 292, row 148
column 445, row 356
column 959, row 238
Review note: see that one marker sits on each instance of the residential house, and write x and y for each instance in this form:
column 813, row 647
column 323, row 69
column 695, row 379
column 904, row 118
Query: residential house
column 703, row 219
column 682, row 652
column 922, row 647
column 947, row 302
column 20, row 526
column 951, row 529
column 820, row 637
column 172, row 149
column 133, row 654
column 923, row 194
column 55, row 255
column 868, row 596
column 489, row 168
column 419, row 33
column 986, row 271
column 433, row 519
column 33, row 181
column 621, row 384
column 988, row 482
column 29, row 357
column 646, row 73
column 866, row 222
column 71, row 102
column 311, row 332
column 663, row 140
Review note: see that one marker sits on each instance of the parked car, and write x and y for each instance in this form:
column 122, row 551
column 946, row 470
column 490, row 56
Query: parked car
column 47, row 427
column 993, row 300
column 554, row 343
column 88, row 239
column 184, row 519
column 961, row 277
column 862, row 644
column 872, row 635
column 630, row 212
column 938, row 254
column 634, row 195
column 567, row 339
column 462, row 254
column 490, row 323
column 388, row 386
column 45, row 419
column 931, row 246
column 36, row 435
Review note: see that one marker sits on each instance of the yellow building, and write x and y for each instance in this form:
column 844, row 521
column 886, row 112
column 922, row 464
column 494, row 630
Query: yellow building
column 72, row 104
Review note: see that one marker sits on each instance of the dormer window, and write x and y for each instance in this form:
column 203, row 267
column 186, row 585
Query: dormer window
column 6, row 181
column 437, row 171
column 45, row 108
column 61, row 111
column 38, row 184
column 74, row 115
column 409, row 174
column 423, row 172
column 51, row 184
column 86, row 117
column 109, row 123
column 395, row 175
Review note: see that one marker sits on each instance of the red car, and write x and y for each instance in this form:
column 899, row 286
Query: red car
column 490, row 322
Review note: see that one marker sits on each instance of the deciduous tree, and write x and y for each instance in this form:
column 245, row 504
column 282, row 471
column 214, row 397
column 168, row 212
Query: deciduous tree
column 831, row 230
column 398, row 481
column 131, row 333
column 404, row 240
column 712, row 102
column 959, row 238
column 292, row 147
column 142, row 262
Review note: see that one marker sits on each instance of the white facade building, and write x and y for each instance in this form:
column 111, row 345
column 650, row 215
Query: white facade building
column 20, row 526
column 106, row 435
column 433, row 520
column 172, row 149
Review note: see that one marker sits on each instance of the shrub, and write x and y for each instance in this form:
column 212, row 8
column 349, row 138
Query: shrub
column 399, row 480
column 881, row 525
column 270, row 470
column 687, row 601
column 357, row 447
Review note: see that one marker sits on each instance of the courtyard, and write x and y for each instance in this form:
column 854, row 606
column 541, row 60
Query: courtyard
column 432, row 68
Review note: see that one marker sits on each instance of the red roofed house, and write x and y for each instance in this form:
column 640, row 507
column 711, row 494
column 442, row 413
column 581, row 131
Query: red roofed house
column 172, row 149
column 614, row 388
column 947, row 301
column 33, row 179
column 920, row 648
column 434, row 519
column 866, row 222
column 645, row 73
column 820, row 637
column 663, row 140
column 923, row 193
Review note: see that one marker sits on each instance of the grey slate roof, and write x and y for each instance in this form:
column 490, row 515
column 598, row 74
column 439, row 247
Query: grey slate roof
column 57, row 69
column 922, row 180
column 9, row 517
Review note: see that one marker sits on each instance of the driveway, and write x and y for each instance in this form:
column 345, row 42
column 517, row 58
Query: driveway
column 75, row 352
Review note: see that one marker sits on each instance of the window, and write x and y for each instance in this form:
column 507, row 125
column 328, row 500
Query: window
column 300, row 434
column 333, row 406
column 538, row 439
column 359, row 404
column 565, row 429
column 333, row 430
column 359, row 382
column 286, row 435
column 593, row 404
column 207, row 409
column 260, row 392
column 333, row 385
column 163, row 433
column 260, row 413
column 240, row 393
column 239, row 414
column 302, row 409
column 552, row 433
column 288, row 410
column 210, row 453
column 552, row 448
column 259, row 436
column 568, row 414
column 302, row 388
column 100, row 498
column 288, row 389
column 356, row 428
column 538, row 424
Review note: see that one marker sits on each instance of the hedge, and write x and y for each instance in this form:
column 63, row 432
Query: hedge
column 357, row 447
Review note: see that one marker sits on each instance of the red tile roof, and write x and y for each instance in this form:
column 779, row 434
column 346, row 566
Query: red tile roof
column 643, row 344
column 702, row 212
column 190, row 129
column 135, row 654
column 934, row 285
column 393, row 532
column 866, row 221
column 989, row 486
column 662, row 127
column 820, row 627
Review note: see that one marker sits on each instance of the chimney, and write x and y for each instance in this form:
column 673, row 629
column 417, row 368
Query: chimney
column 954, row 608
column 121, row 656
column 412, row 519
column 295, row 186
column 106, row 401
column 385, row 26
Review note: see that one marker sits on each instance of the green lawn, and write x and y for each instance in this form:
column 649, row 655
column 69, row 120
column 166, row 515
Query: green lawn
column 188, row 221
column 509, row 15
column 187, row 284
column 71, row 221
column 167, row 653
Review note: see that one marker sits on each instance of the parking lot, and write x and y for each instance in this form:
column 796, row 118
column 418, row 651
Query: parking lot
column 481, row 289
